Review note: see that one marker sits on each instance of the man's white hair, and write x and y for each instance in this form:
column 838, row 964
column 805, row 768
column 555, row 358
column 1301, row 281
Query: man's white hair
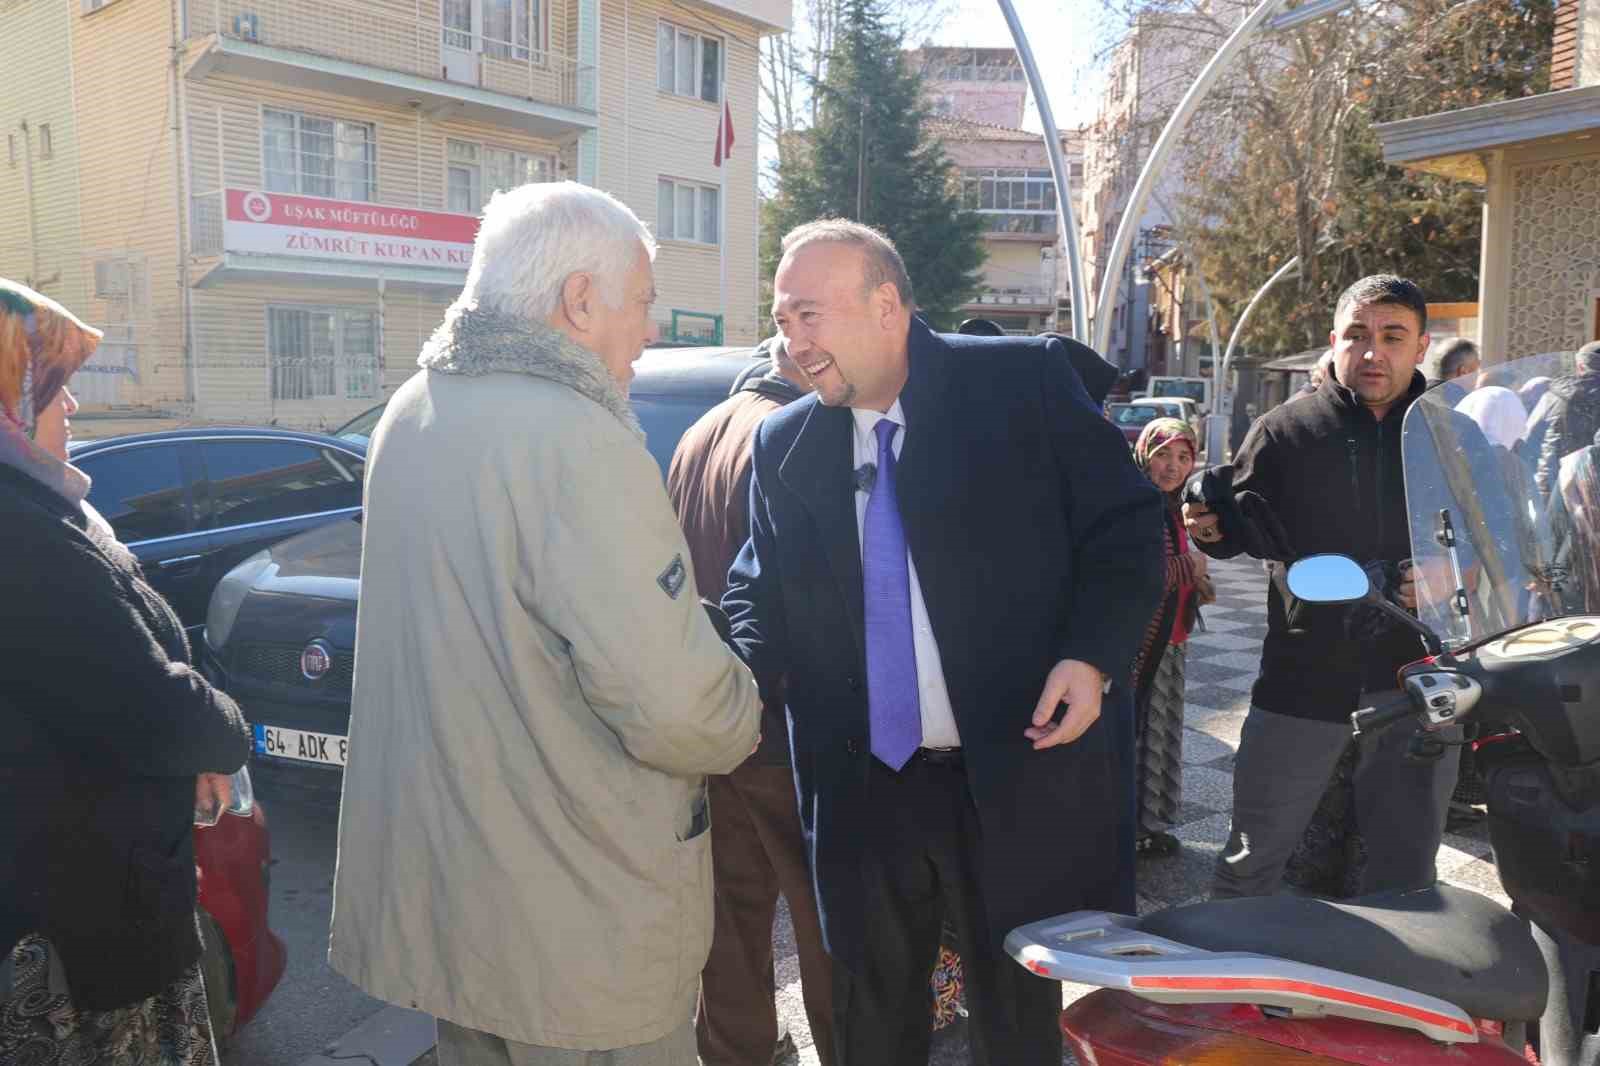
column 536, row 236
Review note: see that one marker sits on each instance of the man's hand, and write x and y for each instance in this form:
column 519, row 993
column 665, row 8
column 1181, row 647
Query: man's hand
column 1078, row 685
column 212, row 793
column 1407, row 592
column 1198, row 560
column 1201, row 523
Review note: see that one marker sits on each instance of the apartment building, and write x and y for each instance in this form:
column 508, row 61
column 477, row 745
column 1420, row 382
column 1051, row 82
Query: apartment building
column 978, row 97
column 1147, row 74
column 268, row 204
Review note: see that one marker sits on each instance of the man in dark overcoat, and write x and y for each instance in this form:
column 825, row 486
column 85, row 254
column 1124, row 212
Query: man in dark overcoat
column 951, row 554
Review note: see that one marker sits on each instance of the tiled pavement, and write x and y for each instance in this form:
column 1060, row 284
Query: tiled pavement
column 1222, row 665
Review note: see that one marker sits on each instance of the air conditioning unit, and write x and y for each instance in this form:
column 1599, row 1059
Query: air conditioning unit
column 246, row 26
column 91, row 6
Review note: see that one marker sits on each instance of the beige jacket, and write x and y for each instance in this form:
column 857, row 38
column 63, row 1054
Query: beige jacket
column 538, row 692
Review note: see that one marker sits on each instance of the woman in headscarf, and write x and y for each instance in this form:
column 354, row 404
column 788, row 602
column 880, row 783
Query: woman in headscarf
column 112, row 743
column 1166, row 452
column 1499, row 413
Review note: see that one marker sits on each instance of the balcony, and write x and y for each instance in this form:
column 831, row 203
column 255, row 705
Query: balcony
column 372, row 49
column 1022, row 299
column 1020, row 225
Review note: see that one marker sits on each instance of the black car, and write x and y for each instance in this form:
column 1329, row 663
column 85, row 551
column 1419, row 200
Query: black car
column 280, row 632
column 193, row 503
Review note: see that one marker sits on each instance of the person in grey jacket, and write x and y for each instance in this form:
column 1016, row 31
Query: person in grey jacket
column 523, row 845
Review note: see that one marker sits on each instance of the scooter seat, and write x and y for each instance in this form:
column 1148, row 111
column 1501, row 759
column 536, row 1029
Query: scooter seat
column 1442, row 941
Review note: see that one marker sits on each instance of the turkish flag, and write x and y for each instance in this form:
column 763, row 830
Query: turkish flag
column 724, row 135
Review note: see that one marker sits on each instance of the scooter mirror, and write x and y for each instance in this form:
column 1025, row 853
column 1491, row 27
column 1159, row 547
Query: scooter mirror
column 1328, row 579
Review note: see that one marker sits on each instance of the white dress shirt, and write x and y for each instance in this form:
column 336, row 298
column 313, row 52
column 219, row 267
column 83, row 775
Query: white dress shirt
column 938, row 719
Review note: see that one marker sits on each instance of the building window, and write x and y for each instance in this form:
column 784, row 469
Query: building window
column 501, row 29
column 47, row 146
column 322, row 353
column 1011, row 199
column 475, row 172
column 688, row 64
column 318, row 156
column 686, row 212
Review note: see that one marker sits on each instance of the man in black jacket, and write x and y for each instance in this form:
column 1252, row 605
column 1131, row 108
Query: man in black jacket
column 1328, row 468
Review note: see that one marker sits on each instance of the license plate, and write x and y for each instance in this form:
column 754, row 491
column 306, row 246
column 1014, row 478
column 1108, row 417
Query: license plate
column 325, row 748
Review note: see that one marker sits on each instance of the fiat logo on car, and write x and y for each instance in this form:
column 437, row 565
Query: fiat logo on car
column 316, row 660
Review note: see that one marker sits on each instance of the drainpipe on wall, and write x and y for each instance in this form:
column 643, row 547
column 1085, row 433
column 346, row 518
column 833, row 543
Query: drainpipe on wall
column 180, row 193
column 27, row 192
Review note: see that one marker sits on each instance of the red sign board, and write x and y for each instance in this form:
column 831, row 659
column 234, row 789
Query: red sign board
column 312, row 227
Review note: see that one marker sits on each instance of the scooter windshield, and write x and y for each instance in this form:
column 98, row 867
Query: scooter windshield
column 1504, row 497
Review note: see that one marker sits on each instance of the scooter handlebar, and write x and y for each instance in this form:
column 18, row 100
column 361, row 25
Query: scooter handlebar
column 1381, row 715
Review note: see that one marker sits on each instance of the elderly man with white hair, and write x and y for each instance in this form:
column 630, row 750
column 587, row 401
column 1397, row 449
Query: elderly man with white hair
column 523, row 846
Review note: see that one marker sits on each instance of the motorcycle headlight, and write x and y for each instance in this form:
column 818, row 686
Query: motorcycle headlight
column 229, row 596
column 244, row 794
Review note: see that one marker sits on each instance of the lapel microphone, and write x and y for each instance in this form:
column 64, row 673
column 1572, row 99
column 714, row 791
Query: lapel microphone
column 866, row 475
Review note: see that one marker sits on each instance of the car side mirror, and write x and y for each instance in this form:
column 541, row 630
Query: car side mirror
column 1328, row 579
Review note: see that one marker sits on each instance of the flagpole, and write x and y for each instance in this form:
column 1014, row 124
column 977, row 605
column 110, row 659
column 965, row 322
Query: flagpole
column 722, row 210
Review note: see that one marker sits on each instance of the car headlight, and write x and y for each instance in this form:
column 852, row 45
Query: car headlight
column 244, row 794
column 228, row 597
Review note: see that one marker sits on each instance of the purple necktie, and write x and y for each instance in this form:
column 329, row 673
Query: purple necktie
column 894, row 708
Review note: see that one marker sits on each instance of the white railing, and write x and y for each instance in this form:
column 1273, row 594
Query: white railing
column 377, row 34
column 1017, row 297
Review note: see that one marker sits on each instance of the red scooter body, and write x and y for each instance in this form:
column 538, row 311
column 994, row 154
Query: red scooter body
column 233, row 858
column 1112, row 1028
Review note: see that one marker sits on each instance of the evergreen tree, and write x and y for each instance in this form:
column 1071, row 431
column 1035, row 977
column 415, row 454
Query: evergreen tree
column 871, row 111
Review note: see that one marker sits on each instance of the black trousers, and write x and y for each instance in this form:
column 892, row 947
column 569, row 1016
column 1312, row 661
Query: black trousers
column 922, row 862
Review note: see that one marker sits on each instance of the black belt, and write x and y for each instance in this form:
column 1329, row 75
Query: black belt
column 952, row 758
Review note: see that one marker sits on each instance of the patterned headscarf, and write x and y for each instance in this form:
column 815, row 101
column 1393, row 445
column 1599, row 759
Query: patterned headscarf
column 42, row 344
column 1158, row 434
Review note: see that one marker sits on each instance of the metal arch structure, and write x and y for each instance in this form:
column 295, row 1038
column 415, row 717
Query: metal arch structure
column 1058, row 171
column 1216, row 422
column 1263, row 17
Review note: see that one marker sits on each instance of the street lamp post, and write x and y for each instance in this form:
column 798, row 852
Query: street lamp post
column 1262, row 17
column 1058, row 171
column 1216, row 421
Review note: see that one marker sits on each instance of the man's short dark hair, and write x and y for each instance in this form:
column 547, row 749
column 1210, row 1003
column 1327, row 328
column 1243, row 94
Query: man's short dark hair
column 1449, row 356
column 1384, row 289
column 981, row 327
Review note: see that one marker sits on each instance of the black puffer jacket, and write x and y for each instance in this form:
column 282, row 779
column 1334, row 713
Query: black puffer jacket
column 106, row 727
column 1333, row 477
column 1571, row 417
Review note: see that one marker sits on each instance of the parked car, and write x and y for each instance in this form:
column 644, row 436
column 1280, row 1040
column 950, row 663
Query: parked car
column 243, row 958
column 280, row 632
column 193, row 503
column 1187, row 409
column 1131, row 418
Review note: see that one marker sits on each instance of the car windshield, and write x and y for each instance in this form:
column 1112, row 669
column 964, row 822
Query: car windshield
column 1134, row 414
column 359, row 429
column 1504, row 510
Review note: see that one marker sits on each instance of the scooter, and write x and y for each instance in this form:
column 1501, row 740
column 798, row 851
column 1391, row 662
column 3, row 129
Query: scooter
column 1436, row 975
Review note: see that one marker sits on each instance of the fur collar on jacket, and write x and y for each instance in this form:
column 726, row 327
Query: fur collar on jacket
column 474, row 342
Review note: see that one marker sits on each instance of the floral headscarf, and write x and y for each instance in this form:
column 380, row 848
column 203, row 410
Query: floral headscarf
column 42, row 344
column 1158, row 434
